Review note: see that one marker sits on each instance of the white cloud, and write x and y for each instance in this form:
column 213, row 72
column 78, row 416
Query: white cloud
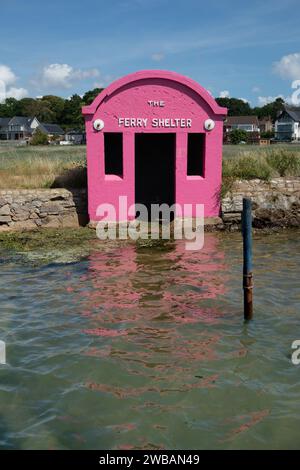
column 2, row 93
column 58, row 75
column 7, row 80
column 256, row 89
column 288, row 66
column 99, row 85
column 224, row 94
column 62, row 75
column 17, row 93
column 7, row 76
column 82, row 74
column 263, row 100
column 158, row 57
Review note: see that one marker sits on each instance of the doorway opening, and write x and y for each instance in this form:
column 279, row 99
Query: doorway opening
column 154, row 169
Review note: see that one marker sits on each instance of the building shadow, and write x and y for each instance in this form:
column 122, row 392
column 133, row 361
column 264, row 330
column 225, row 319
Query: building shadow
column 75, row 181
column 217, row 199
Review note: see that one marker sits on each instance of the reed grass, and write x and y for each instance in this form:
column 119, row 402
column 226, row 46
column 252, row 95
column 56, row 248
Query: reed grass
column 260, row 163
column 46, row 167
column 284, row 163
column 42, row 167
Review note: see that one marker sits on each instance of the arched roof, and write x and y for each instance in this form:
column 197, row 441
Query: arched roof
column 149, row 74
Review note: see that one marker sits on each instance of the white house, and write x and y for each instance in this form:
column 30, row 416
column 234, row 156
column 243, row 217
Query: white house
column 245, row 123
column 287, row 125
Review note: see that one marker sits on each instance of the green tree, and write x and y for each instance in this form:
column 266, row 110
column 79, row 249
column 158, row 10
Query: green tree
column 56, row 105
column 267, row 134
column 10, row 108
column 26, row 106
column 236, row 107
column 237, row 136
column 270, row 109
column 38, row 108
column 72, row 116
column 39, row 138
column 89, row 96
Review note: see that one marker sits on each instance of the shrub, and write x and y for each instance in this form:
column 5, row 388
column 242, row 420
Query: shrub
column 237, row 136
column 39, row 138
column 267, row 134
column 227, row 183
column 285, row 162
column 247, row 167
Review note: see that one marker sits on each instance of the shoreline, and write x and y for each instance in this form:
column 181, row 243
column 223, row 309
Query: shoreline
column 276, row 204
column 83, row 241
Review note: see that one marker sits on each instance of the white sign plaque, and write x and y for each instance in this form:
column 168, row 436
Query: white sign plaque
column 155, row 122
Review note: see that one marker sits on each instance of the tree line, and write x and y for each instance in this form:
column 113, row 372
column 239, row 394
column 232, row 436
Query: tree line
column 51, row 109
column 237, row 107
column 67, row 112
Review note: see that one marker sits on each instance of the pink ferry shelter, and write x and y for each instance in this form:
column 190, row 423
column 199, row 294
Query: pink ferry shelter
column 156, row 137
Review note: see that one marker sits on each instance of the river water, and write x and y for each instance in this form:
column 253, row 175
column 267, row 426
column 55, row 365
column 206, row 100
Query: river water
column 138, row 346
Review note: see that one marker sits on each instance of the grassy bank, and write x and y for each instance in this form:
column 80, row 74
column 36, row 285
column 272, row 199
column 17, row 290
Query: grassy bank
column 46, row 167
column 259, row 162
column 50, row 245
column 61, row 245
column 48, row 239
column 42, row 167
column 230, row 151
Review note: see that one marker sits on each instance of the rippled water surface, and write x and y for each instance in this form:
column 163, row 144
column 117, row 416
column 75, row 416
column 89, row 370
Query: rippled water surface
column 145, row 347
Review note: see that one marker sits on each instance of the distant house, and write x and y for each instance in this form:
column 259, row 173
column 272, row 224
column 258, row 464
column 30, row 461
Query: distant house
column 246, row 123
column 4, row 128
column 22, row 128
column 17, row 128
column 265, row 124
column 52, row 130
column 76, row 137
column 287, row 124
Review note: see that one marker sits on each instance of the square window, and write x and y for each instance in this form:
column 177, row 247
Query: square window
column 196, row 154
column 113, row 153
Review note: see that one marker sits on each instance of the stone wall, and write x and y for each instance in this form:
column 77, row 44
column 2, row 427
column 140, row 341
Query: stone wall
column 37, row 208
column 275, row 203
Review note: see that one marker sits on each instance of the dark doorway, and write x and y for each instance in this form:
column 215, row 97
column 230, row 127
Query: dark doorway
column 154, row 169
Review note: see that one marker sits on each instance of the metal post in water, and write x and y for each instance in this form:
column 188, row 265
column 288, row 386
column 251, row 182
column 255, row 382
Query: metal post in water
column 247, row 252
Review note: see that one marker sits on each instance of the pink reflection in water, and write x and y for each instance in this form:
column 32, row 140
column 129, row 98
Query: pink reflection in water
column 104, row 332
column 141, row 303
column 134, row 283
column 251, row 420
column 131, row 392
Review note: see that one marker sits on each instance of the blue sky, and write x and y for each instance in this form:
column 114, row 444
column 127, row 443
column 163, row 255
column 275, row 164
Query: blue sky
column 249, row 50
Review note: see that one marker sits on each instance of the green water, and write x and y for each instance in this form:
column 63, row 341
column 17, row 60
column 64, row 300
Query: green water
column 144, row 347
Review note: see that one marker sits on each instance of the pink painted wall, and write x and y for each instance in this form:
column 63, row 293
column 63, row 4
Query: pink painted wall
column 128, row 97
